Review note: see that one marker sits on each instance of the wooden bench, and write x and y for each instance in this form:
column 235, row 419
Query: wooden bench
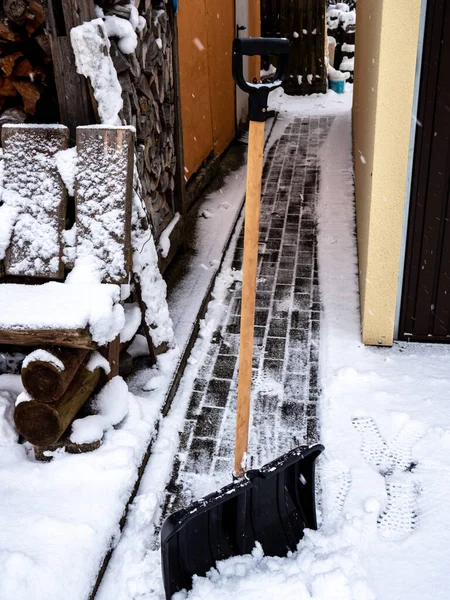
column 60, row 290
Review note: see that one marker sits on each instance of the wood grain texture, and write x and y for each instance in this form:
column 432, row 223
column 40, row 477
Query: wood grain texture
column 103, row 199
column 74, row 96
column 45, row 381
column 34, row 187
column 250, row 264
column 70, row 338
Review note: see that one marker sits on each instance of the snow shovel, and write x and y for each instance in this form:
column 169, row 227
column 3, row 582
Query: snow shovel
column 272, row 505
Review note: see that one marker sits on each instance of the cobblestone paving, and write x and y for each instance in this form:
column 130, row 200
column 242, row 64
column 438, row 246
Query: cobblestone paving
column 285, row 363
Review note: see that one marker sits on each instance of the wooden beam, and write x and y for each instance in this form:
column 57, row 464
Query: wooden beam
column 74, row 97
column 70, row 338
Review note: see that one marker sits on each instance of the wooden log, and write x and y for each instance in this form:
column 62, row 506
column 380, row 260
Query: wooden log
column 45, row 380
column 36, row 245
column 107, row 156
column 30, row 95
column 15, row 10
column 8, row 62
column 35, row 16
column 42, row 424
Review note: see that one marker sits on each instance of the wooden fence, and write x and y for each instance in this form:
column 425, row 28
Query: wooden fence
column 303, row 23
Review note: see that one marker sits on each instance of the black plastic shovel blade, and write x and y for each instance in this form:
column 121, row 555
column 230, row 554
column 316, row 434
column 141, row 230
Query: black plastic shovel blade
column 272, row 506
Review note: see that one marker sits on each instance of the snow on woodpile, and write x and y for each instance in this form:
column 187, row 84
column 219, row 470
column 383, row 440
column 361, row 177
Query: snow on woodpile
column 91, row 47
column 63, row 306
column 43, row 356
column 111, row 407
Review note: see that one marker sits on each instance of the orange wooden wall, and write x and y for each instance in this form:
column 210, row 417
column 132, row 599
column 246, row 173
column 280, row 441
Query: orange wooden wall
column 206, row 29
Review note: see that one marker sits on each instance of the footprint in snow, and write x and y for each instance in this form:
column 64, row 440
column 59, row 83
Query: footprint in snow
column 394, row 461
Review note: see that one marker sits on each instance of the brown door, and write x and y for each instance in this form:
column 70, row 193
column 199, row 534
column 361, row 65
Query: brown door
column 208, row 105
column 425, row 311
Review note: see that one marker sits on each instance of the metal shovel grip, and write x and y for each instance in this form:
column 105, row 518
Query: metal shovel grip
column 259, row 92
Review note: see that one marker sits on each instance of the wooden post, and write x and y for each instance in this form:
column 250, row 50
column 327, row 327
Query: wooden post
column 107, row 156
column 36, row 243
column 250, row 264
column 75, row 104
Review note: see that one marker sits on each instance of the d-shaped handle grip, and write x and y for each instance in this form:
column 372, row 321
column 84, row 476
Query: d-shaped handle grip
column 259, row 92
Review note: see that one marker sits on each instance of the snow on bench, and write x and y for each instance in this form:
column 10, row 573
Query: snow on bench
column 75, row 315
column 34, row 194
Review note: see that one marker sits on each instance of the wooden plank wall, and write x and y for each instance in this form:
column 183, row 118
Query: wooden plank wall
column 205, row 35
column 425, row 312
column 307, row 70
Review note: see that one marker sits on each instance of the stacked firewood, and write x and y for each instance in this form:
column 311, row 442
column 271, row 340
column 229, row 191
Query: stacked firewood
column 146, row 77
column 58, row 382
column 26, row 73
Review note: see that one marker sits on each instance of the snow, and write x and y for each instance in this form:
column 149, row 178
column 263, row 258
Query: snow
column 96, row 361
column 336, row 75
column 124, row 31
column 70, row 245
column 111, row 407
column 91, row 47
column 384, row 477
column 8, row 218
column 66, row 162
column 314, row 104
column 348, row 47
column 152, row 285
column 347, row 64
column 63, row 306
column 43, row 356
column 134, row 568
column 164, row 238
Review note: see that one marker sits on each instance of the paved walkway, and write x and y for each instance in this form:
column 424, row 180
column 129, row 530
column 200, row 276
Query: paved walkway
column 286, row 391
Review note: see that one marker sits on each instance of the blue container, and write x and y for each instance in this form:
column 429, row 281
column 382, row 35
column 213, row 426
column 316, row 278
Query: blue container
column 337, row 86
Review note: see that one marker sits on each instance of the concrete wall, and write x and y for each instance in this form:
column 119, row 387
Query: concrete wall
column 385, row 65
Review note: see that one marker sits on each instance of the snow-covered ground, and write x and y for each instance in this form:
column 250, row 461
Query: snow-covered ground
column 384, row 476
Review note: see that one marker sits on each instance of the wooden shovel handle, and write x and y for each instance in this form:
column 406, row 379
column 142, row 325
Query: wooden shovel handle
column 250, row 264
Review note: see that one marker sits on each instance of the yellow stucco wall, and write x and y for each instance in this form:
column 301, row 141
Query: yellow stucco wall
column 385, row 66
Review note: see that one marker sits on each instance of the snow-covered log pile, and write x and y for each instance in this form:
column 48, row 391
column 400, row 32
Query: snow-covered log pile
column 341, row 24
column 141, row 50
